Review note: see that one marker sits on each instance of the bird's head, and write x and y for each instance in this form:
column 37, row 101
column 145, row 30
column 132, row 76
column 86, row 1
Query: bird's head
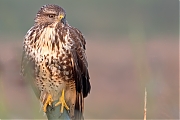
column 50, row 15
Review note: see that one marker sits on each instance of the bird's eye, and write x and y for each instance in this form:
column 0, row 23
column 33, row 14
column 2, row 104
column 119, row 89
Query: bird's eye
column 51, row 16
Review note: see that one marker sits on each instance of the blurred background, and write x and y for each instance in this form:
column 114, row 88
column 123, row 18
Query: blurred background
column 131, row 44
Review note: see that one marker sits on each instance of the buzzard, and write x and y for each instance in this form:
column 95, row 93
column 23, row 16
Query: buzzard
column 54, row 61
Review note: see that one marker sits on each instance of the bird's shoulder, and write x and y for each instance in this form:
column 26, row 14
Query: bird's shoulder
column 77, row 36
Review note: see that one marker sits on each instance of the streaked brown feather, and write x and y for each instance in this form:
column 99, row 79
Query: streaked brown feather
column 55, row 52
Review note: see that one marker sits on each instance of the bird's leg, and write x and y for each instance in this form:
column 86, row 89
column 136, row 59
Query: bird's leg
column 62, row 102
column 48, row 101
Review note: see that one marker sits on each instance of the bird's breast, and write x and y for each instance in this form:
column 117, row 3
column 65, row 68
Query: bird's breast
column 51, row 54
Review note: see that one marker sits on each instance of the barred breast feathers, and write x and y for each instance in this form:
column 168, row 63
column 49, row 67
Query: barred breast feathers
column 48, row 41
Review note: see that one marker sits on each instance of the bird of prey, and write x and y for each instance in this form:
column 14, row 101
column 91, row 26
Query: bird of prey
column 54, row 61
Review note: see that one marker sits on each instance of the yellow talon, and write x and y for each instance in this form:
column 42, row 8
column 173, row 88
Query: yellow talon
column 49, row 100
column 62, row 102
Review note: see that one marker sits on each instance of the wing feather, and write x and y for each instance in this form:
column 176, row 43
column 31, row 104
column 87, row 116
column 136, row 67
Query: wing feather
column 28, row 72
column 80, row 70
column 79, row 60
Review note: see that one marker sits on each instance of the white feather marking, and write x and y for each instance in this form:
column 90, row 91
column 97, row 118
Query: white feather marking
column 67, row 46
column 45, row 44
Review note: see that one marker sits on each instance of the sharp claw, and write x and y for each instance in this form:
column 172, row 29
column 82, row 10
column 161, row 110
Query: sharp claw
column 58, row 103
column 62, row 102
column 62, row 108
column 48, row 101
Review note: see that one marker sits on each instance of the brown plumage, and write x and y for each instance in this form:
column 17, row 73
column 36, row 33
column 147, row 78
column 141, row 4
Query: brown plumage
column 54, row 60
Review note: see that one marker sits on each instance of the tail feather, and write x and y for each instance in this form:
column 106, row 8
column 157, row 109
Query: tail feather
column 79, row 107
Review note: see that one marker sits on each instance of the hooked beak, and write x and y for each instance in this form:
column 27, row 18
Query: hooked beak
column 60, row 17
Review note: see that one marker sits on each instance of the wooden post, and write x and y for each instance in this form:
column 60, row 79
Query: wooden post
column 53, row 113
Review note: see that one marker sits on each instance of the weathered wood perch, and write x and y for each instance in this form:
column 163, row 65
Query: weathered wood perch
column 53, row 113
